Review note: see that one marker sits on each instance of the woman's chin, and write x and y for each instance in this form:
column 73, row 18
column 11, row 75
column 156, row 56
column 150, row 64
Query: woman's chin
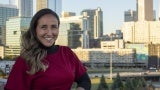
column 48, row 44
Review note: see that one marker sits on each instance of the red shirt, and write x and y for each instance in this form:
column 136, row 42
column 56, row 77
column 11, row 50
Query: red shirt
column 64, row 68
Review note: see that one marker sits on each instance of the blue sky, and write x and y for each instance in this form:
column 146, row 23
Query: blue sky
column 113, row 10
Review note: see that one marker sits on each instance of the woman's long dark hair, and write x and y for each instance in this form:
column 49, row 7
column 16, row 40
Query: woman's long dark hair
column 32, row 50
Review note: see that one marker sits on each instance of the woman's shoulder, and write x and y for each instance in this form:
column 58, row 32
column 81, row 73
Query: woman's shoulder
column 65, row 49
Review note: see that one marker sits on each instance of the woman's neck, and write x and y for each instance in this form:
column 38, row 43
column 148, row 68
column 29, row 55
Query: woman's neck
column 52, row 49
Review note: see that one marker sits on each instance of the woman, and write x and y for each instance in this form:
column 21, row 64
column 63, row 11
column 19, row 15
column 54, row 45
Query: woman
column 42, row 65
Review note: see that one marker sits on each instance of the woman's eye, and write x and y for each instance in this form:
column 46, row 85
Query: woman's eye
column 43, row 27
column 54, row 26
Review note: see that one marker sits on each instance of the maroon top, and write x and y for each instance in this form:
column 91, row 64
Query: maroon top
column 64, row 68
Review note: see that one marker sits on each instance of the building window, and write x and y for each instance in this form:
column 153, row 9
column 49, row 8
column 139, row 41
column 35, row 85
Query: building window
column 14, row 32
column 0, row 41
column 0, row 30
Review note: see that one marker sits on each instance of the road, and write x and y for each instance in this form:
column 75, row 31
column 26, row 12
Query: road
column 126, row 74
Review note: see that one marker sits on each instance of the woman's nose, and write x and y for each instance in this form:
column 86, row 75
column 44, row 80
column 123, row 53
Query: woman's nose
column 49, row 31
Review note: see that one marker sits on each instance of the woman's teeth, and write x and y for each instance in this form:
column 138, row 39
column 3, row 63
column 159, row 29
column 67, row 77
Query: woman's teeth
column 48, row 39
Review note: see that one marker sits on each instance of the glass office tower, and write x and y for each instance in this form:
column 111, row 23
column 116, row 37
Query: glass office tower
column 55, row 5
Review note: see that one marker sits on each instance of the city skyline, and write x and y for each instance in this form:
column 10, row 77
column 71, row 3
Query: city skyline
column 137, row 46
column 113, row 11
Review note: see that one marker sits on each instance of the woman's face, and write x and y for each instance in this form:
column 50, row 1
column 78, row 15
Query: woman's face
column 47, row 30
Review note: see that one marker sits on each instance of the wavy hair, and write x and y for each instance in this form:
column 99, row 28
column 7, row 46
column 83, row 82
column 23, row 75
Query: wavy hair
column 32, row 50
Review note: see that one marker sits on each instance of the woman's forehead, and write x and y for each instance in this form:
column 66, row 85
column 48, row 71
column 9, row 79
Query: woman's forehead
column 48, row 18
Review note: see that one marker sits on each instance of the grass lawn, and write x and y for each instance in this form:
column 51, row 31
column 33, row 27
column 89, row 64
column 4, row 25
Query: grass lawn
column 94, row 87
column 95, row 82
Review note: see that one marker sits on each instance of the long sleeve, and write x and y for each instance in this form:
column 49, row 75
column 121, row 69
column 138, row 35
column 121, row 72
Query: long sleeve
column 18, row 78
column 84, row 82
column 79, row 68
column 81, row 76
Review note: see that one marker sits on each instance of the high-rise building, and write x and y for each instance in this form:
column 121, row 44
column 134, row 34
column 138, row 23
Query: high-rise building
column 25, row 7
column 130, row 15
column 15, row 27
column 68, row 14
column 70, row 31
column 55, row 5
column 145, row 10
column 145, row 30
column 141, row 32
column 40, row 4
column 93, row 27
column 6, row 11
column 98, row 23
column 95, row 19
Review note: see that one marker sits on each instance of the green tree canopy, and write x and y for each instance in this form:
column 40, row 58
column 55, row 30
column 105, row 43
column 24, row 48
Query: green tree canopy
column 103, row 85
column 117, row 84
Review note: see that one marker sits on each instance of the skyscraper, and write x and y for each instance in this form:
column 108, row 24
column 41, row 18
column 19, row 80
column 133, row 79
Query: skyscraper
column 25, row 7
column 15, row 27
column 98, row 23
column 130, row 15
column 95, row 18
column 6, row 11
column 55, row 5
column 41, row 4
column 145, row 10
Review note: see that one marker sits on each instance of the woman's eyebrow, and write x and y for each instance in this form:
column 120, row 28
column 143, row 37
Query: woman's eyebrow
column 43, row 25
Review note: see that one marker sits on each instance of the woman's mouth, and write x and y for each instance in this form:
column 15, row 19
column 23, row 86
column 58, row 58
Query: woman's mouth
column 49, row 39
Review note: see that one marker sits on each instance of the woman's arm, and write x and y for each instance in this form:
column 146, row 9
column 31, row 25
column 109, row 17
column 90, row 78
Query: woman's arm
column 17, row 79
column 81, row 76
column 84, row 82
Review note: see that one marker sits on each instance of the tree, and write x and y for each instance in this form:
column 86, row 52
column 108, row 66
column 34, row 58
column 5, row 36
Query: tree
column 140, row 86
column 144, row 84
column 140, row 83
column 117, row 84
column 129, row 84
column 103, row 85
column 135, row 82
